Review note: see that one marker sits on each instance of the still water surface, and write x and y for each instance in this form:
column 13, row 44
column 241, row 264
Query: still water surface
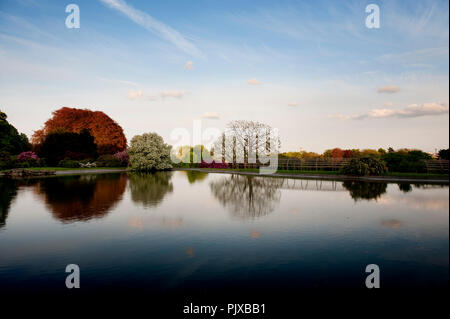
column 196, row 232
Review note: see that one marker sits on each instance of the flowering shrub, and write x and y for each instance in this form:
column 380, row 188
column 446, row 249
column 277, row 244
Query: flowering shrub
column 28, row 159
column 213, row 165
column 123, row 157
column 25, row 156
column 148, row 152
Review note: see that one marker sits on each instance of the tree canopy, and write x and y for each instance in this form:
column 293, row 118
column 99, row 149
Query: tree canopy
column 59, row 145
column 149, row 152
column 108, row 135
column 10, row 139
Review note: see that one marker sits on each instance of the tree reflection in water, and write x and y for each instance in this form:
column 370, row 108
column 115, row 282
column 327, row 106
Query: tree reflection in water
column 8, row 191
column 365, row 190
column 247, row 197
column 404, row 187
column 149, row 189
column 195, row 176
column 81, row 198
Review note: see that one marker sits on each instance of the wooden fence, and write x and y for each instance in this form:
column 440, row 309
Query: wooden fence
column 333, row 164
column 437, row 166
column 310, row 164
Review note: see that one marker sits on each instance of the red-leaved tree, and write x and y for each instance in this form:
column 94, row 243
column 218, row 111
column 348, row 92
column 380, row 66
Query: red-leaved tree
column 108, row 135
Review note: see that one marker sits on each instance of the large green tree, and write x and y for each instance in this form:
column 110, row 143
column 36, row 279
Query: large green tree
column 148, row 152
column 10, row 139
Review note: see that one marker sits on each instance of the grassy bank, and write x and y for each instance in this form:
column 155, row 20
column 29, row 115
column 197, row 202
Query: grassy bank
column 66, row 168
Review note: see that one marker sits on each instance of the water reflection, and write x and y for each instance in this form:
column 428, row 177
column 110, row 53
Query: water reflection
column 81, row 198
column 391, row 223
column 404, row 187
column 247, row 196
column 195, row 176
column 8, row 191
column 149, row 189
column 365, row 190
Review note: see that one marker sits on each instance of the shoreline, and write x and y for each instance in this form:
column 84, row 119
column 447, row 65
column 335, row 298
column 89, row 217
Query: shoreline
column 91, row 171
column 336, row 177
column 389, row 179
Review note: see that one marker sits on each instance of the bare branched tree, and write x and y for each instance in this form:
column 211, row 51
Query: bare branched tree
column 246, row 142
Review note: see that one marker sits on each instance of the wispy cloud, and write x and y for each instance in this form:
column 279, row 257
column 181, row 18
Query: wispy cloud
column 138, row 94
column 31, row 29
column 174, row 93
column 119, row 81
column 388, row 89
column 151, row 24
column 413, row 110
column 211, row 115
column 293, row 104
column 189, row 65
column 254, row 82
column 134, row 95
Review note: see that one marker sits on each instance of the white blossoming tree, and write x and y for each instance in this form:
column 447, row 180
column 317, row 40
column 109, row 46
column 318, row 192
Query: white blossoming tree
column 149, row 152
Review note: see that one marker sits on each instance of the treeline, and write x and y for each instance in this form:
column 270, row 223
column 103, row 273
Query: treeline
column 74, row 138
column 84, row 138
column 70, row 138
column 356, row 153
column 362, row 161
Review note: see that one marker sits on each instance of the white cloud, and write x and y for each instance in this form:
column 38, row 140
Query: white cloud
column 347, row 117
column 254, row 82
column 118, row 81
column 413, row 110
column 388, row 89
column 151, row 24
column 293, row 104
column 189, row 65
column 211, row 115
column 134, row 95
column 388, row 104
column 174, row 94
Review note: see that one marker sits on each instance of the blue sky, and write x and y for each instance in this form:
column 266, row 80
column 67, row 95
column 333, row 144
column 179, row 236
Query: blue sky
column 312, row 69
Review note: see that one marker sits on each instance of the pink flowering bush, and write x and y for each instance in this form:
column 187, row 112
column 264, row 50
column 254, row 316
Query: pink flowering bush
column 123, row 157
column 213, row 165
column 28, row 159
column 25, row 156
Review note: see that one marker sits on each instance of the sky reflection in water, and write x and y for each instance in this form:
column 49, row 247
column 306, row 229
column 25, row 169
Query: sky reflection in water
column 185, row 231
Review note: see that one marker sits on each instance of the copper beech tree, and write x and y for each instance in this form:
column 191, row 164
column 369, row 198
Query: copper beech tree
column 108, row 135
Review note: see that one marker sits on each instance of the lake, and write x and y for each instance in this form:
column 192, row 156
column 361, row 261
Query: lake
column 189, row 232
